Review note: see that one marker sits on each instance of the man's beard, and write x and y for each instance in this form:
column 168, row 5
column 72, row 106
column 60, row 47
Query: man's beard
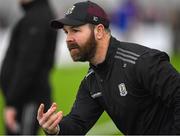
column 85, row 52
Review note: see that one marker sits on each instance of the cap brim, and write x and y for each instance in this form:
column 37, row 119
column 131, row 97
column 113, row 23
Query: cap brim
column 58, row 24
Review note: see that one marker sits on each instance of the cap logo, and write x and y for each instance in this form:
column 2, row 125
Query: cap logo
column 95, row 18
column 70, row 10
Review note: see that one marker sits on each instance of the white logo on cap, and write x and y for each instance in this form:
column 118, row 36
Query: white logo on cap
column 95, row 18
column 70, row 10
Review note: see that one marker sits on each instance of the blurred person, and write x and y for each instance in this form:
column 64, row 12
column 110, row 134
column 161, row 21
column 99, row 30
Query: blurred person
column 136, row 85
column 3, row 21
column 126, row 17
column 176, row 32
column 26, row 67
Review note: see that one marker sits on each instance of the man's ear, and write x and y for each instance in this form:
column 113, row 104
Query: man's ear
column 99, row 31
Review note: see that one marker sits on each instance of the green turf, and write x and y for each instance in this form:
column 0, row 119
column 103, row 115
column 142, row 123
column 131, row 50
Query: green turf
column 65, row 83
column 175, row 60
column 1, row 114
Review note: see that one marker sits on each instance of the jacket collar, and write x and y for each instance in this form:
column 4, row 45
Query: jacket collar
column 103, row 67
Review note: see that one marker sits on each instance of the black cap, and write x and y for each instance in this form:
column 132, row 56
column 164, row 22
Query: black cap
column 82, row 13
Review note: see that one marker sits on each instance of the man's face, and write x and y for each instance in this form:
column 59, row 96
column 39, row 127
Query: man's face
column 81, row 42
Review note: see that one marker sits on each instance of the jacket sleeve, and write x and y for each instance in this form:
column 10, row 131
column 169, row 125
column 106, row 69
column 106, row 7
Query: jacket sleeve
column 163, row 81
column 84, row 113
column 31, row 42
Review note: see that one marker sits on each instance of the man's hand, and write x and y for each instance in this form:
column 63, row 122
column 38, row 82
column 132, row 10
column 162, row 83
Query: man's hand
column 49, row 121
column 10, row 118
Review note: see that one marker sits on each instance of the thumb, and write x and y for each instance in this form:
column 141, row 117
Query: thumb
column 40, row 111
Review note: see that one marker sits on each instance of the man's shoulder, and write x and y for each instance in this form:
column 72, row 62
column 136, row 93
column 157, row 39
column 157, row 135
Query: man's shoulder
column 130, row 53
column 133, row 48
column 129, row 47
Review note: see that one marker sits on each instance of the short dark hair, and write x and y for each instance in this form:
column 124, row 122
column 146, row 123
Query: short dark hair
column 106, row 29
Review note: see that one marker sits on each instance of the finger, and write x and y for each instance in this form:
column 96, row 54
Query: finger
column 56, row 122
column 53, row 105
column 40, row 112
column 47, row 115
column 52, row 119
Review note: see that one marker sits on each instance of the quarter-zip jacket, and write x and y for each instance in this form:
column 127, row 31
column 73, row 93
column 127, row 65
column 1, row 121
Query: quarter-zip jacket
column 137, row 87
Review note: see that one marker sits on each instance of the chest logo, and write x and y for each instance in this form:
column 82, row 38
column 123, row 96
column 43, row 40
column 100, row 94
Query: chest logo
column 122, row 89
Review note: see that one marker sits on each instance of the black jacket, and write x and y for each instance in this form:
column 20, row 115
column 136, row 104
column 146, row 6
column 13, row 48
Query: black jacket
column 136, row 86
column 30, row 56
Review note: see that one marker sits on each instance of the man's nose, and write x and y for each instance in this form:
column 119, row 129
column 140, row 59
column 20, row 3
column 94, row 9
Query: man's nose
column 69, row 38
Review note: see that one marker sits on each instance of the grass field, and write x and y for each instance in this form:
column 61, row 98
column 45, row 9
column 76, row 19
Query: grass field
column 65, row 83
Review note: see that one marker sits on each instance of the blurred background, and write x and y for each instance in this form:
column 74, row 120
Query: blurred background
column 152, row 23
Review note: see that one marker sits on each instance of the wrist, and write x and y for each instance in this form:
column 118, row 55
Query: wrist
column 58, row 129
column 55, row 133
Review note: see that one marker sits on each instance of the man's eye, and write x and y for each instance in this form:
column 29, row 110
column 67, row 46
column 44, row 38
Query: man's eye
column 75, row 30
column 65, row 32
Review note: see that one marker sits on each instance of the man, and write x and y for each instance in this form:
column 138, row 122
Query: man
column 25, row 71
column 135, row 85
